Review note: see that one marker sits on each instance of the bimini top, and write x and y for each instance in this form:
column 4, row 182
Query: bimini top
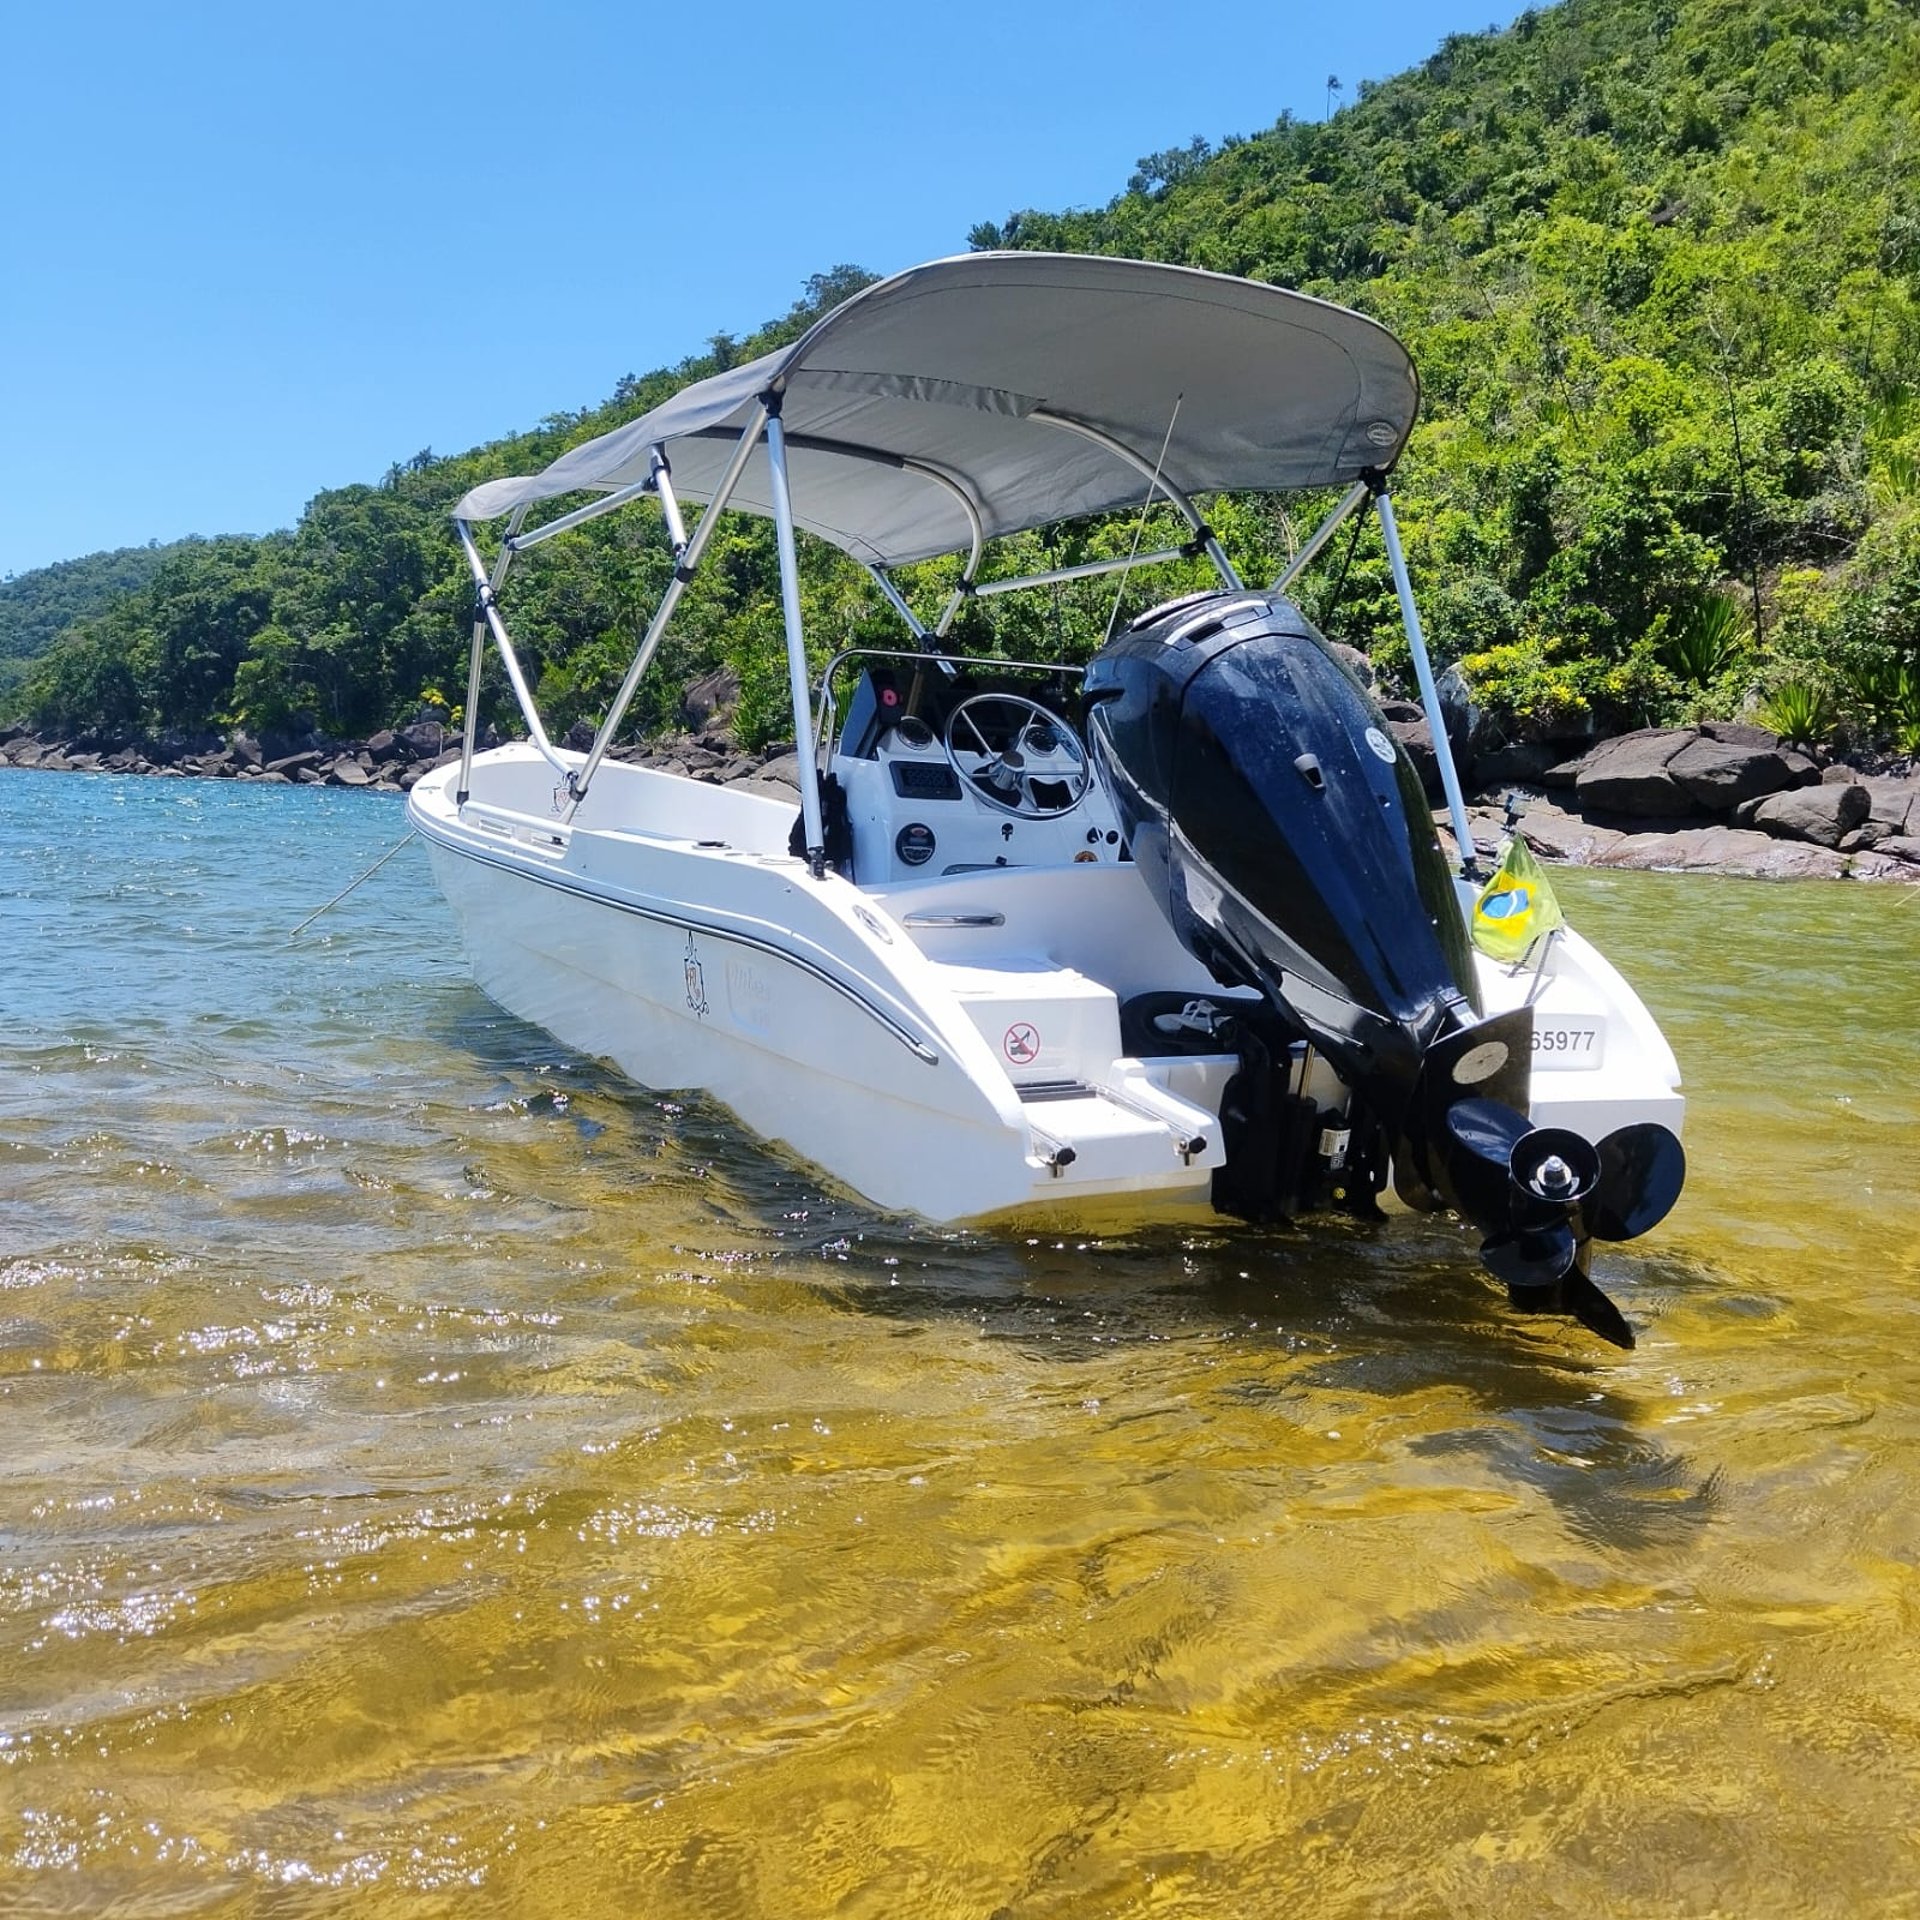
column 1021, row 389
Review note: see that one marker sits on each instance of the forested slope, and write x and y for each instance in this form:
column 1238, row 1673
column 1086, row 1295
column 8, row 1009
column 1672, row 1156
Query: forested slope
column 1658, row 262
column 36, row 608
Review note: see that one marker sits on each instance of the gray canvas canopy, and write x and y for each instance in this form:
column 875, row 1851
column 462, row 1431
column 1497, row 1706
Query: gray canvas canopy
column 995, row 392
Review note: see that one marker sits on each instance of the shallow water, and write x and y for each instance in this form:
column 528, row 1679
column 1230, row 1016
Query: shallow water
column 440, row 1477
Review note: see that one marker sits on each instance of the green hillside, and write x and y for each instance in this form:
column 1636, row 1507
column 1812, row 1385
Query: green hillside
column 36, row 608
column 1657, row 261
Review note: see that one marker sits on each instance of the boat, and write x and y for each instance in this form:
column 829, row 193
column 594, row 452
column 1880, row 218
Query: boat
column 1172, row 931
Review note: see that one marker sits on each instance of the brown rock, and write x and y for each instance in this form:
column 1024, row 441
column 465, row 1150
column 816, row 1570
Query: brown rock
column 1558, row 835
column 349, row 773
column 1896, row 803
column 1719, row 774
column 1720, row 849
column 293, row 763
column 713, row 693
column 1417, row 738
column 1823, row 814
column 1737, row 733
column 1520, row 764
column 1630, row 776
column 1877, row 866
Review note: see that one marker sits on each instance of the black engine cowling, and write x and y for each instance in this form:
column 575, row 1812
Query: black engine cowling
column 1283, row 831
column 1285, row 835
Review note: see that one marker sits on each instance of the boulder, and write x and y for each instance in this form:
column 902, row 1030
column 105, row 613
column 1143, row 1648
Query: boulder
column 713, row 693
column 1823, row 814
column 1876, row 866
column 782, row 769
column 1901, row 847
column 384, row 746
column 1417, row 738
column 349, row 773
column 294, row 763
column 1865, row 837
column 423, row 739
column 1521, row 763
column 1630, row 776
column 1721, row 849
column 1719, row 774
column 1896, row 803
column 24, row 752
column 1559, row 835
column 579, row 737
column 1467, row 723
column 245, row 752
column 1737, row 733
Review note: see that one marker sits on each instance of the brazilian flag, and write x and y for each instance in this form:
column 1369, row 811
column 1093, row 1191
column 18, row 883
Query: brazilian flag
column 1515, row 907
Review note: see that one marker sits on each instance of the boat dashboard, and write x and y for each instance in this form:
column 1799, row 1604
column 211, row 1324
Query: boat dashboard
column 945, row 767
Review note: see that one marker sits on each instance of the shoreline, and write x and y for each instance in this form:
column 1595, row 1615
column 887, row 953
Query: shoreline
column 1714, row 799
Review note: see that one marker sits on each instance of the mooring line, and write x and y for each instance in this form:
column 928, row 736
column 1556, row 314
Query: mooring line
column 413, row 834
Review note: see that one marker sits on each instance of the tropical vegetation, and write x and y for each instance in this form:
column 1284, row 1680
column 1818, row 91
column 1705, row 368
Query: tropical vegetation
column 1658, row 262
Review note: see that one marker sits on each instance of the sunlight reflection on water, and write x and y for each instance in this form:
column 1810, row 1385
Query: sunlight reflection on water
column 435, row 1464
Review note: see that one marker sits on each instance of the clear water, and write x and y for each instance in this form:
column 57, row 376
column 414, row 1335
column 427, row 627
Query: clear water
column 440, row 1477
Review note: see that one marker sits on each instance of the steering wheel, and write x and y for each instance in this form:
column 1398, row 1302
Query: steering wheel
column 1040, row 746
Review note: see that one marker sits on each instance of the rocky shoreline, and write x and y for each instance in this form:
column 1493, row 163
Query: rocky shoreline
column 1717, row 798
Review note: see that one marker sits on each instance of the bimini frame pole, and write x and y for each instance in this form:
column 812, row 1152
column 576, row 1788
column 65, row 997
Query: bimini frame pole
column 796, row 638
column 898, row 602
column 1429, row 693
column 1319, row 537
column 470, row 731
column 1204, row 540
column 490, row 613
column 686, row 560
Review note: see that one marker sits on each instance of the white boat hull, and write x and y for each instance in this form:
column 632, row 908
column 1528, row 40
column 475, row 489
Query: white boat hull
column 947, row 1047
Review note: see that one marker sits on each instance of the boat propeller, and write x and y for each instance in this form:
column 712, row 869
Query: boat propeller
column 1541, row 1195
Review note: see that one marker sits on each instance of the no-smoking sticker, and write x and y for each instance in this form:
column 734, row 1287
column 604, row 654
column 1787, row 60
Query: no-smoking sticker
column 1022, row 1043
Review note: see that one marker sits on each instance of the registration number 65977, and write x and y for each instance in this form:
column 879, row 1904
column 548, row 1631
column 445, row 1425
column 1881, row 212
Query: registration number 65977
column 1568, row 1043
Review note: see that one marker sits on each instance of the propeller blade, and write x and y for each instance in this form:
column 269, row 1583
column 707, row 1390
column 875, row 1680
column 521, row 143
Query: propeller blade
column 1642, row 1169
column 1575, row 1295
column 1581, row 1298
column 1532, row 1261
column 1476, row 1152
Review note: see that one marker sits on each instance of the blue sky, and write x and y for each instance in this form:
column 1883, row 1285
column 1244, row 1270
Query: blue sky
column 254, row 251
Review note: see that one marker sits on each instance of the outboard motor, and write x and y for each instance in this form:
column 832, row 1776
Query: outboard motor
column 1285, row 835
